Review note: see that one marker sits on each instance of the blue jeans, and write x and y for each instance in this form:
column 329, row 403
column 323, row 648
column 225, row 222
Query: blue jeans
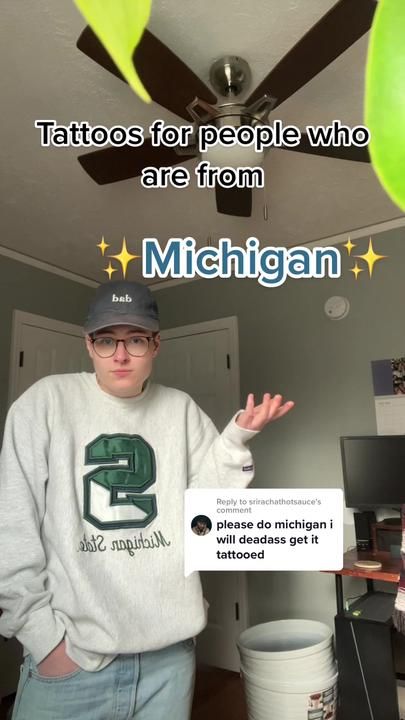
column 155, row 685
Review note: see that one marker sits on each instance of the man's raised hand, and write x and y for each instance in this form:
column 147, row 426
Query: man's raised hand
column 256, row 417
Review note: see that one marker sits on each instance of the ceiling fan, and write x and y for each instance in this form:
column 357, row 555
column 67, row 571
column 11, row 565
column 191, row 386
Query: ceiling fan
column 172, row 84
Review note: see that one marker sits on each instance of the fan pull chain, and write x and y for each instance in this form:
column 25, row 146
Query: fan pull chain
column 265, row 206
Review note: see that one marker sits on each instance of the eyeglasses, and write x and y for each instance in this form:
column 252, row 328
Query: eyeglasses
column 136, row 345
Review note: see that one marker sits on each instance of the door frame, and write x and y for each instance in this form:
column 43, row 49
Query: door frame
column 229, row 323
column 21, row 318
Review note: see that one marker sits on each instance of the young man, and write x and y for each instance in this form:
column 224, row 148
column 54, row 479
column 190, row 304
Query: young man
column 92, row 474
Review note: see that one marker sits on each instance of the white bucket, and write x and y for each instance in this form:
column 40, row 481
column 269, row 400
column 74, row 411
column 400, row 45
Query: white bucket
column 289, row 671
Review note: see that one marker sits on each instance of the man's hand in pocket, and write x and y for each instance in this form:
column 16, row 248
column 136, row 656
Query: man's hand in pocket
column 57, row 663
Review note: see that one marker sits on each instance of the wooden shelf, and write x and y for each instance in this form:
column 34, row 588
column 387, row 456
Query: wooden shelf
column 390, row 571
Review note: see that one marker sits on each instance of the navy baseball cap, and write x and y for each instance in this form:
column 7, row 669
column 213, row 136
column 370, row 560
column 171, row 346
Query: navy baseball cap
column 122, row 303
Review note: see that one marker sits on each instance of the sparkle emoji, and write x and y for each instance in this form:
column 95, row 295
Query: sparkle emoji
column 356, row 270
column 109, row 270
column 103, row 246
column 349, row 246
column 124, row 257
column 370, row 257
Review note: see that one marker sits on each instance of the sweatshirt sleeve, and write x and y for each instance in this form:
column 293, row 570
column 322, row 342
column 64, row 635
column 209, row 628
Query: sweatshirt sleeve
column 24, row 599
column 218, row 460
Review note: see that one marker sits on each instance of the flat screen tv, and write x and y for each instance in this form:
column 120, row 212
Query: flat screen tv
column 373, row 470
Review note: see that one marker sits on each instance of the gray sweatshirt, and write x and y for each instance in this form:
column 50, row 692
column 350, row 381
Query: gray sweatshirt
column 91, row 516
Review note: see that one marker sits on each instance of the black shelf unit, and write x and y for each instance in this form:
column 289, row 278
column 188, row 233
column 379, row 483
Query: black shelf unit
column 364, row 651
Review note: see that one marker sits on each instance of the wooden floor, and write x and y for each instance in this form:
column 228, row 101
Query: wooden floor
column 218, row 696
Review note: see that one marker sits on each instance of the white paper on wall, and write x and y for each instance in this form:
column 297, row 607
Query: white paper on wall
column 389, row 395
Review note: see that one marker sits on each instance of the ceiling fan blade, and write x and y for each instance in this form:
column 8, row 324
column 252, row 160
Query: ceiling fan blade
column 336, row 31
column 351, row 152
column 169, row 81
column 234, row 201
column 90, row 45
column 121, row 163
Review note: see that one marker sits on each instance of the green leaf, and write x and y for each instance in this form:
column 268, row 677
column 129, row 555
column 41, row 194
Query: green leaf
column 385, row 97
column 119, row 25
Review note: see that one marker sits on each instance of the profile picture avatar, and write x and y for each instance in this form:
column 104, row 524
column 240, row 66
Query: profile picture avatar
column 201, row 525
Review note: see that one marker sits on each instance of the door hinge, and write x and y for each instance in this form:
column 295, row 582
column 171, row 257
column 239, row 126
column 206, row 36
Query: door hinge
column 228, row 361
column 237, row 611
column 21, row 360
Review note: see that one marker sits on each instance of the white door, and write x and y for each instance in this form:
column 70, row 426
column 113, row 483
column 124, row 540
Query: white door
column 198, row 364
column 40, row 347
column 202, row 360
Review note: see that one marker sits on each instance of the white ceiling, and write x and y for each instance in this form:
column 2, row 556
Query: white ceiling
column 52, row 211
